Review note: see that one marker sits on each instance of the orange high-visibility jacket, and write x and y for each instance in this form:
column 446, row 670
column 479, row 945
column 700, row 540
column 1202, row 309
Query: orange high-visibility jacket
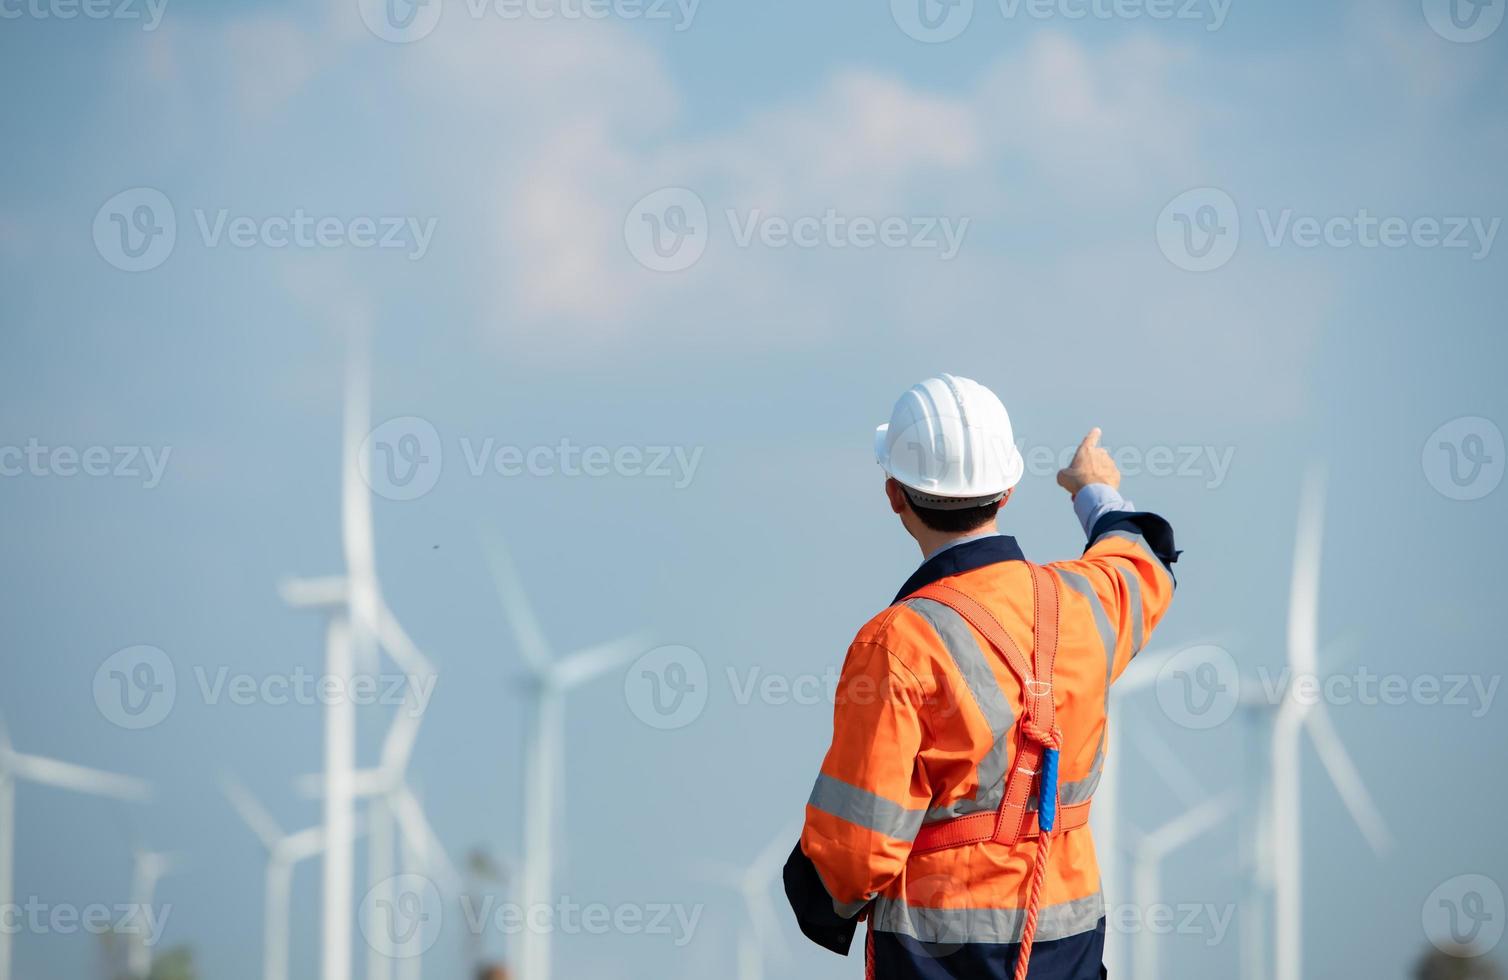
column 923, row 731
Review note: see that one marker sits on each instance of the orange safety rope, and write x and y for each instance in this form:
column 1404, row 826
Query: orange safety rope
column 1050, row 740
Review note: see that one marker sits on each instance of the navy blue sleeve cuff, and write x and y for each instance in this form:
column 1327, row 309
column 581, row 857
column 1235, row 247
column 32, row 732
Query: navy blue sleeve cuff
column 1157, row 532
column 813, row 906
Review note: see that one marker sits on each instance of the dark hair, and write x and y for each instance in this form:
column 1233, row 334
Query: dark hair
column 955, row 521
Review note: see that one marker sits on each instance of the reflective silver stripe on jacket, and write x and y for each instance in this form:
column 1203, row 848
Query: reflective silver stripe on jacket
column 973, row 665
column 930, row 925
column 863, row 808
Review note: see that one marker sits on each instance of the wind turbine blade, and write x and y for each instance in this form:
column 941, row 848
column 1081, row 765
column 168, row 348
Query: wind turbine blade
column 301, row 845
column 364, row 782
column 766, row 924
column 1184, row 784
column 767, row 864
column 1347, row 780
column 584, row 665
column 315, row 593
column 253, row 813
column 1303, row 596
column 1142, row 671
column 516, row 609
column 66, row 775
column 415, row 827
column 398, row 743
column 356, row 502
column 1189, row 825
column 396, row 641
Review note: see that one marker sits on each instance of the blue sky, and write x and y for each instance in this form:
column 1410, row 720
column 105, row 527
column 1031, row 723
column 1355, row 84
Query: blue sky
column 526, row 146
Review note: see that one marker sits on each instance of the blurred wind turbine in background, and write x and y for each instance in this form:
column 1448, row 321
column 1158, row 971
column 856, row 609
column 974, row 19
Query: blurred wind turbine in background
column 1198, row 815
column 283, row 852
column 1283, row 829
column 357, row 616
column 758, row 929
column 147, row 869
column 390, row 797
column 1104, row 815
column 19, row 767
column 544, row 749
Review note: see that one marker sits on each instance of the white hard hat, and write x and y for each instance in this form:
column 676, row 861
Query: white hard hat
column 949, row 442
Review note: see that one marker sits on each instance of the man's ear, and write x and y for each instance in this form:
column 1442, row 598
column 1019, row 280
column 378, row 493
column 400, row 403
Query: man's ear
column 897, row 496
column 1007, row 498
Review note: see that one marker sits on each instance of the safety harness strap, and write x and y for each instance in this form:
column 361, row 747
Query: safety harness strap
column 1013, row 821
column 1037, row 744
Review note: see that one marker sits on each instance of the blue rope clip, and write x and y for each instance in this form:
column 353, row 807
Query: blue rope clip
column 1047, row 791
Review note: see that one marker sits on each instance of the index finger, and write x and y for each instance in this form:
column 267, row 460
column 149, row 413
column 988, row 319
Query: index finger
column 1091, row 441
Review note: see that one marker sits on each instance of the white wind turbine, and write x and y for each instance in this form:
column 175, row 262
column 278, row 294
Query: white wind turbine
column 544, row 750
column 354, row 606
column 284, row 851
column 147, row 869
column 759, row 930
column 1198, row 815
column 1104, row 814
column 19, row 767
column 1295, row 717
column 390, row 797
